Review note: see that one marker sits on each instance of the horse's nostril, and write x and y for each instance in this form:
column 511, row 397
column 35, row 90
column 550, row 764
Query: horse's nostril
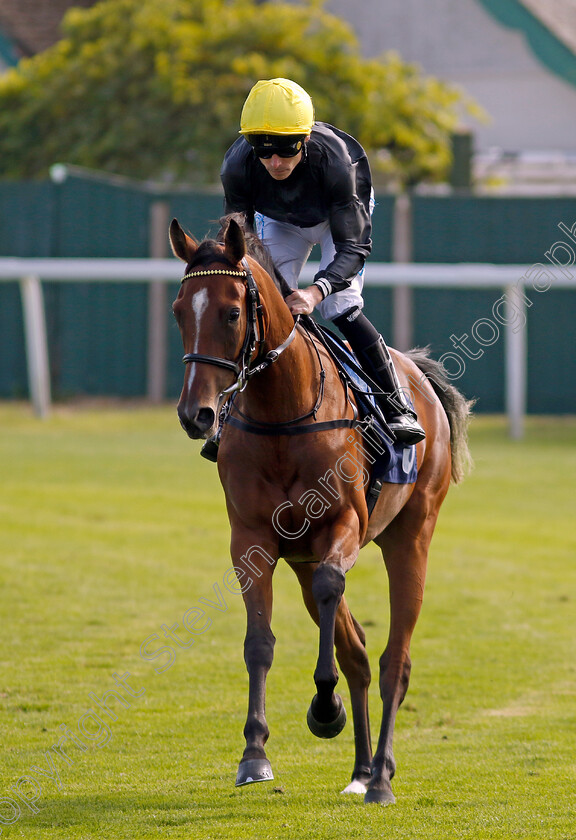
column 205, row 418
column 196, row 424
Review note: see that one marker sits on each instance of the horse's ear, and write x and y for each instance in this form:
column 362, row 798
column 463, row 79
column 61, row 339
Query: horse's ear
column 234, row 242
column 183, row 246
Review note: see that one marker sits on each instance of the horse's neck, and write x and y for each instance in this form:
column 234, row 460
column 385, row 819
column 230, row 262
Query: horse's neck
column 289, row 387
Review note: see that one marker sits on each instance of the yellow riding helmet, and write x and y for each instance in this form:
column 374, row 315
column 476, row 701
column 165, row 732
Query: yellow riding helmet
column 277, row 106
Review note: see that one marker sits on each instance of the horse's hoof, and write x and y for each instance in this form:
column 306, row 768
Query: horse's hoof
column 330, row 729
column 379, row 796
column 254, row 770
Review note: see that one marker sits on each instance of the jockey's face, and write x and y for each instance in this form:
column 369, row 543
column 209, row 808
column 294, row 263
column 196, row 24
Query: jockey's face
column 281, row 168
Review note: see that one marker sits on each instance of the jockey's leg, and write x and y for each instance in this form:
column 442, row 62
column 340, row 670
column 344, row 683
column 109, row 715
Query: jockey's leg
column 344, row 309
column 289, row 245
column 373, row 354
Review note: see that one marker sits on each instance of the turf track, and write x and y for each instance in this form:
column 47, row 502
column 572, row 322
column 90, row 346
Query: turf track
column 112, row 526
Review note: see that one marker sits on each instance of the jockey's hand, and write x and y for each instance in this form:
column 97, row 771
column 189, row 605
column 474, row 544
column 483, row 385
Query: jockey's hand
column 303, row 301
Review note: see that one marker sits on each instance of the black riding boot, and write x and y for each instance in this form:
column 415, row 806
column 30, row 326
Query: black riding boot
column 373, row 354
column 401, row 418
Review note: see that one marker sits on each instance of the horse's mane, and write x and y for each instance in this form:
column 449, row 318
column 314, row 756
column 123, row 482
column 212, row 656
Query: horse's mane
column 255, row 249
column 210, row 250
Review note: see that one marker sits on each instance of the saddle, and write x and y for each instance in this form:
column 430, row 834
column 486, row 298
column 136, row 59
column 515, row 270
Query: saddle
column 391, row 462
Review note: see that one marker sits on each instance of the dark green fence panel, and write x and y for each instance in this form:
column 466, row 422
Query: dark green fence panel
column 97, row 338
column 26, row 230
column 441, row 315
column 95, row 219
column 484, row 229
column 97, row 332
column 501, row 230
column 552, row 353
column 378, row 307
column 13, row 374
column 478, row 371
column 26, row 219
column 198, row 213
column 382, row 219
column 378, row 301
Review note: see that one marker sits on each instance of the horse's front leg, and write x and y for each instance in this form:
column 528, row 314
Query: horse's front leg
column 326, row 715
column 353, row 660
column 255, row 569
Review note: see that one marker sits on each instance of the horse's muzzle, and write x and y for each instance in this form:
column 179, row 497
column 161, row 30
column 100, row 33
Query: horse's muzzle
column 197, row 423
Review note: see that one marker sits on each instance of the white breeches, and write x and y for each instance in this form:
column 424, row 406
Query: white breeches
column 290, row 247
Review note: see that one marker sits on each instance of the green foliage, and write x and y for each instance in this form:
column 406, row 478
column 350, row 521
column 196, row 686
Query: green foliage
column 154, row 89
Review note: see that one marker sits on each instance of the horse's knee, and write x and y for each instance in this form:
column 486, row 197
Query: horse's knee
column 327, row 590
column 259, row 649
column 328, row 584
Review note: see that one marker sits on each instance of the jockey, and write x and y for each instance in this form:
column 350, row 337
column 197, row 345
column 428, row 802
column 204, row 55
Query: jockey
column 299, row 183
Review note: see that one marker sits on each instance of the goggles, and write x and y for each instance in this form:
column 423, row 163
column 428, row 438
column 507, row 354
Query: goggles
column 267, row 145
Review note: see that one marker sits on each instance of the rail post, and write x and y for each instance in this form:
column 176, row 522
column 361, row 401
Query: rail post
column 157, row 305
column 36, row 344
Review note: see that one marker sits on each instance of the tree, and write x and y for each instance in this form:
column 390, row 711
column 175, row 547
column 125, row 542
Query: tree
column 154, row 89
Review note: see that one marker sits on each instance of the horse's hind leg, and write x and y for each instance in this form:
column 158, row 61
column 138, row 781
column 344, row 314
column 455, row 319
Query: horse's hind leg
column 353, row 660
column 351, row 653
column 405, row 554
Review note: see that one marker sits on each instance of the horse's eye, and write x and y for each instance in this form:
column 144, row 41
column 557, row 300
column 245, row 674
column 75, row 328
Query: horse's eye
column 234, row 314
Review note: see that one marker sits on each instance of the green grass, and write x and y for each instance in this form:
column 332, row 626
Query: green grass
column 111, row 526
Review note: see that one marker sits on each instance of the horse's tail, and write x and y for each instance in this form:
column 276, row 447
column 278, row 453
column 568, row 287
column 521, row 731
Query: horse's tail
column 458, row 409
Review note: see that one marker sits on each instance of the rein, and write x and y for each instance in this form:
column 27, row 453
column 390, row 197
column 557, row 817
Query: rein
column 243, row 367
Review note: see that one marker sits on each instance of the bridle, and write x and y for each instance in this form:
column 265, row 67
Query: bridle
column 243, row 367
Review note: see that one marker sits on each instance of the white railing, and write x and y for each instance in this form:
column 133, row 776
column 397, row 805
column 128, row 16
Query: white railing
column 508, row 279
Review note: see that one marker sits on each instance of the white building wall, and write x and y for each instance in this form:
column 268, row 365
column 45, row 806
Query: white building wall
column 457, row 40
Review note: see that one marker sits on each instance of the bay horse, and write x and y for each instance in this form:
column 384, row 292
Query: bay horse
column 290, row 427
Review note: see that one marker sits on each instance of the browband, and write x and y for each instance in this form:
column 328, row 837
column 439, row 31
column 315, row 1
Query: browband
column 207, row 271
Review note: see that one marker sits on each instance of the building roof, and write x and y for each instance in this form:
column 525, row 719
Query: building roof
column 559, row 16
column 549, row 27
column 31, row 26
column 34, row 25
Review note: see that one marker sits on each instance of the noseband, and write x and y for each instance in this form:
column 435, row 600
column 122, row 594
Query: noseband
column 243, row 367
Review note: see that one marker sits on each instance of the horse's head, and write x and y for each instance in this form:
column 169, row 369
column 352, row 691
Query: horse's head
column 212, row 315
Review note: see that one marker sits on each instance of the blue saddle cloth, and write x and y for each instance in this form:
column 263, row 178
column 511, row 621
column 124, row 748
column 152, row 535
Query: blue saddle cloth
column 394, row 463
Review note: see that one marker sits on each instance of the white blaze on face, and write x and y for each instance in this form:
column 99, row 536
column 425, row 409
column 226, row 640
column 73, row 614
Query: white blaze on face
column 199, row 305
